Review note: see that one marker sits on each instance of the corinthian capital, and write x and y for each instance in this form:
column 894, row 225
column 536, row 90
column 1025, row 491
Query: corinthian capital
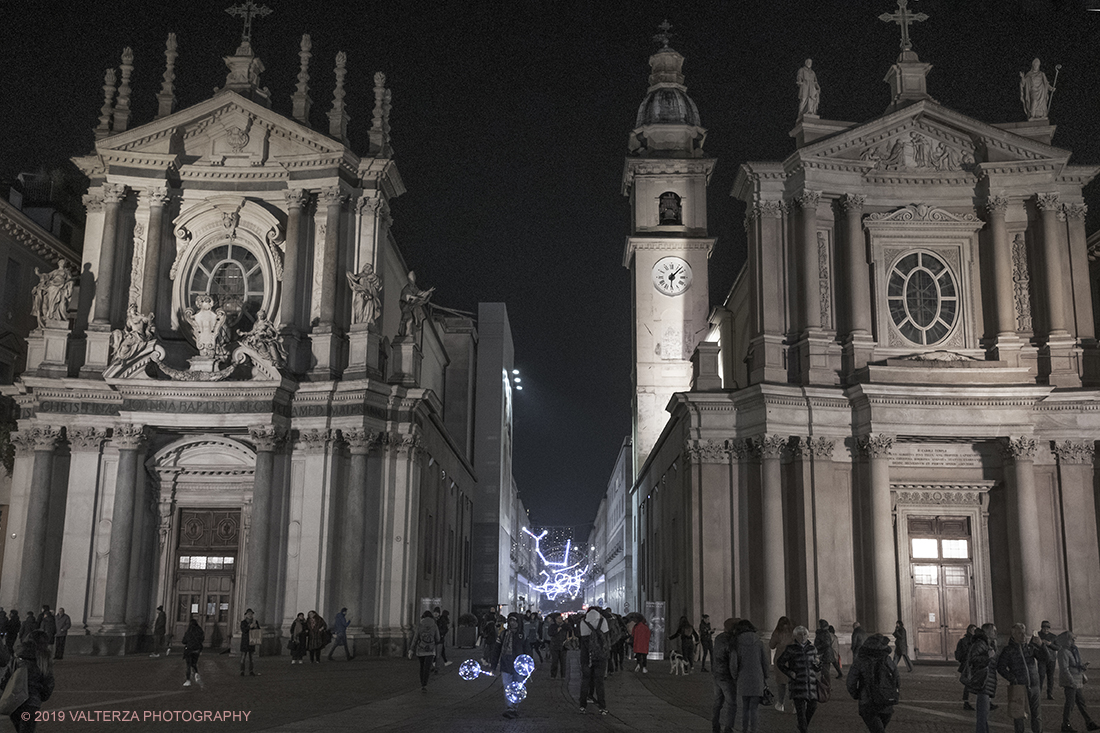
column 997, row 205
column 86, row 439
column 114, row 193
column 158, row 196
column 1020, row 449
column 93, row 202
column 128, row 436
column 265, row 437
column 296, row 197
column 808, row 200
column 876, row 445
column 1076, row 212
column 853, row 202
column 1048, row 202
column 332, row 196
column 1075, row 451
column 360, row 441
column 770, row 445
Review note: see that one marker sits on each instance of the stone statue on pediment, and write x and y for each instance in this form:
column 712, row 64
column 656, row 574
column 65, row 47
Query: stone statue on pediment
column 1035, row 92
column 365, row 287
column 208, row 327
column 128, row 342
column 50, row 297
column 809, row 91
column 265, row 339
column 414, row 307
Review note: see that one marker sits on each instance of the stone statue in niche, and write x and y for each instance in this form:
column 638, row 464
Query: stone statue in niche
column 208, row 327
column 1035, row 92
column 50, row 297
column 809, row 92
column 414, row 307
column 365, row 303
column 264, row 338
column 128, row 342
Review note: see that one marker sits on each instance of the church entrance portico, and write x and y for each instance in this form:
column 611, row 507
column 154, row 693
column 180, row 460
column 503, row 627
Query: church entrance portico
column 206, row 574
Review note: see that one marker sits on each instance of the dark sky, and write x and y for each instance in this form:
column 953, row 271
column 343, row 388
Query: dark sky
column 510, row 123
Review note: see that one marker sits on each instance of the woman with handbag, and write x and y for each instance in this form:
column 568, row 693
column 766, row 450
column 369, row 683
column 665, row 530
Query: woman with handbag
column 316, row 629
column 30, row 678
column 250, row 639
column 685, row 632
column 800, row 663
column 297, row 644
column 749, row 658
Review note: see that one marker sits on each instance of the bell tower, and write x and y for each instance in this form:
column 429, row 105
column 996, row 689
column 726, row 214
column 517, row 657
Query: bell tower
column 666, row 176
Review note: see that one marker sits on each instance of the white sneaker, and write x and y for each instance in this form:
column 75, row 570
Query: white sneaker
column 780, row 708
column 187, row 683
column 637, row 668
column 196, row 677
column 152, row 655
column 645, row 671
column 447, row 664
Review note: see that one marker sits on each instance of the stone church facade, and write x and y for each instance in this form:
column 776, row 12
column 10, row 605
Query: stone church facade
column 895, row 412
column 242, row 413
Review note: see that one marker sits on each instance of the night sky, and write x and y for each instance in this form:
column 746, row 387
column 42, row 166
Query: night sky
column 510, row 124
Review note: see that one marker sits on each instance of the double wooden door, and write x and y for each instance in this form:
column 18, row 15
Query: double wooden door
column 941, row 562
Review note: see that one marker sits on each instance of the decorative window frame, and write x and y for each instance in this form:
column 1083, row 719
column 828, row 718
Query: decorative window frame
column 218, row 220
column 951, row 237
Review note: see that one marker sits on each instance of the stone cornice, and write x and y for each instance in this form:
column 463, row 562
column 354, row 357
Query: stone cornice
column 922, row 216
column 25, row 231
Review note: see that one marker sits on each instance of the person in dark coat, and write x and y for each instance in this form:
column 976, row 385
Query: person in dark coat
column 315, row 637
column 901, row 645
column 488, row 636
column 64, row 623
column 512, row 643
column 425, row 640
column 685, row 632
column 799, row 662
column 962, row 649
column 559, row 634
column 1050, row 669
column 248, row 623
column 47, row 623
column 706, row 641
column 749, row 660
column 725, row 692
column 872, row 666
column 593, row 658
column 823, row 643
column 340, row 635
column 33, row 655
column 160, row 630
column 29, row 624
column 11, row 630
column 1017, row 664
column 1071, row 676
column 192, row 640
column 298, row 633
column 858, row 637
column 982, row 672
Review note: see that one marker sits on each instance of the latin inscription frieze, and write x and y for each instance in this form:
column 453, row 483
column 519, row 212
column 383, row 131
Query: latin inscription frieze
column 920, row 455
column 63, row 407
column 206, row 407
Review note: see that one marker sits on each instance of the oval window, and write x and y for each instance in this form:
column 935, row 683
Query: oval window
column 230, row 274
column 922, row 298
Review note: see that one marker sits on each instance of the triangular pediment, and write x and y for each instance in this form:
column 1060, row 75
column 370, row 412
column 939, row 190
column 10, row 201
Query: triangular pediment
column 226, row 131
column 927, row 140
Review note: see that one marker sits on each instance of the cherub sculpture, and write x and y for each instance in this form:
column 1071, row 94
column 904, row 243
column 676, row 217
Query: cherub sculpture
column 208, row 327
column 264, row 338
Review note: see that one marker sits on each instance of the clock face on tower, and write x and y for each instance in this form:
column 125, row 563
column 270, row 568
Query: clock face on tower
column 671, row 275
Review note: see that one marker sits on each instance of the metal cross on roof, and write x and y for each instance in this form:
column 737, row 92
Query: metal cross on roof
column 248, row 10
column 903, row 18
column 664, row 36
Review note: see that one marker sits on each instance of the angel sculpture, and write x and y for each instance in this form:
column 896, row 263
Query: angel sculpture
column 52, row 293
column 208, row 327
column 264, row 338
column 132, row 340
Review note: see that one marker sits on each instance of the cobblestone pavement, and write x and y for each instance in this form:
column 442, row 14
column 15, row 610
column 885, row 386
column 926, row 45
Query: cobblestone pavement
column 384, row 694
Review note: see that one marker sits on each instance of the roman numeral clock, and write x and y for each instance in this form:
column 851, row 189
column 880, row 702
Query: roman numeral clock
column 671, row 275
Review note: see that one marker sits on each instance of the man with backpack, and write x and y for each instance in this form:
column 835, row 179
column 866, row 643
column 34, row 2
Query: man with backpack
column 595, row 649
column 873, row 680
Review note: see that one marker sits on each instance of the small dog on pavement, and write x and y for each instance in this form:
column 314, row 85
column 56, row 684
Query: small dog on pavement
column 679, row 664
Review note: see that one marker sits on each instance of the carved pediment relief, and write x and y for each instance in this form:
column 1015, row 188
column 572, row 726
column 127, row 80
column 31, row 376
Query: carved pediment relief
column 912, row 150
column 923, row 213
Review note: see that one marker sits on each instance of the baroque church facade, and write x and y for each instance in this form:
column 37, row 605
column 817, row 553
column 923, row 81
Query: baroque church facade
column 894, row 413
column 238, row 400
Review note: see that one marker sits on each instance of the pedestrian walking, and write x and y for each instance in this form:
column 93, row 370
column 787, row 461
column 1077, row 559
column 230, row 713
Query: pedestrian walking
column 64, row 623
column 48, row 624
column 299, row 631
column 512, row 643
column 1018, row 665
column 874, row 681
column 823, row 645
column 750, row 668
column 317, row 635
column 706, row 641
column 488, row 636
column 33, row 656
column 858, row 637
column 618, row 640
column 640, row 643
column 962, row 651
column 531, row 629
column 835, row 644
column 595, row 649
column 685, row 632
column 799, row 662
column 160, row 628
column 1071, row 676
column 782, row 637
column 251, row 636
column 29, row 624
column 192, row 640
column 725, row 695
column 901, row 645
column 11, row 630
column 425, row 641
column 981, row 672
column 340, row 635
column 559, row 634
column 1050, row 669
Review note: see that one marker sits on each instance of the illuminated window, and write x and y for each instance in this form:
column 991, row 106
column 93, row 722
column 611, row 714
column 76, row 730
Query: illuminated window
column 956, row 549
column 230, row 274
column 926, row 548
column 956, row 575
column 926, row 574
column 923, row 298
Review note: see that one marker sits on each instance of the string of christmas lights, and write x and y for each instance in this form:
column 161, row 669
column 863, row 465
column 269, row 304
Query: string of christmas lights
column 564, row 577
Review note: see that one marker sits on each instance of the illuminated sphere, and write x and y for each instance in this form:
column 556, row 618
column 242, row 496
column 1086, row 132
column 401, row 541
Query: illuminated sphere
column 470, row 670
column 515, row 692
column 524, row 665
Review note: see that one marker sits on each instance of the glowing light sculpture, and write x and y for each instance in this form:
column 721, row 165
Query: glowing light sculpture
column 515, row 693
column 564, row 577
column 471, row 670
column 524, row 665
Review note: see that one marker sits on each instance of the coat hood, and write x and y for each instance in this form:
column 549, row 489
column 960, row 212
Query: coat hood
column 876, row 646
column 1064, row 640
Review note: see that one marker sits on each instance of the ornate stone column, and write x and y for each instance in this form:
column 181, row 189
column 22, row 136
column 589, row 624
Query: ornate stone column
column 1006, row 344
column 296, row 201
column 884, row 555
column 77, row 544
column 42, row 439
column 266, row 439
column 400, row 543
column 1082, row 294
column 859, row 343
column 129, row 440
column 1076, row 481
column 1059, row 356
column 151, row 287
column 113, row 196
column 770, row 448
column 327, row 334
column 809, row 288
column 763, row 224
column 353, row 523
column 1024, row 554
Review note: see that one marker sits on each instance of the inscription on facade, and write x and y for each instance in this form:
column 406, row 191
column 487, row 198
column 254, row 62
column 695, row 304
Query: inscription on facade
column 205, row 406
column 920, row 455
